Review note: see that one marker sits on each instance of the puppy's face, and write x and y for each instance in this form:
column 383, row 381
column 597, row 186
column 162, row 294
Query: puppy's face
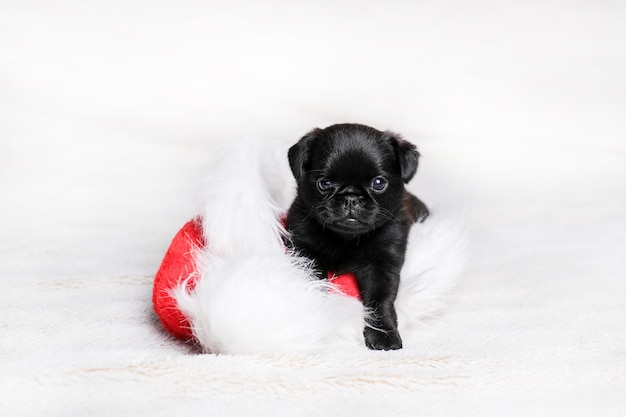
column 351, row 177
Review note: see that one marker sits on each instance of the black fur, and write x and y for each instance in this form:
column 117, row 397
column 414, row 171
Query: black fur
column 346, row 219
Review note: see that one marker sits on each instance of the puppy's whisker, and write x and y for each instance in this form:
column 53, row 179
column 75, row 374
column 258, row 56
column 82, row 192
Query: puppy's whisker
column 387, row 214
column 311, row 213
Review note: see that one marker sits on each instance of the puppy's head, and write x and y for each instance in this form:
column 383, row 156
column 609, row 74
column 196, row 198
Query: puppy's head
column 351, row 177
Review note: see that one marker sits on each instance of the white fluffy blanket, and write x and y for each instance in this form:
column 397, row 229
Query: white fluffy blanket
column 109, row 115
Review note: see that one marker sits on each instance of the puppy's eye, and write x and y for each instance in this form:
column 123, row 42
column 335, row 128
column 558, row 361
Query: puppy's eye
column 324, row 185
column 379, row 184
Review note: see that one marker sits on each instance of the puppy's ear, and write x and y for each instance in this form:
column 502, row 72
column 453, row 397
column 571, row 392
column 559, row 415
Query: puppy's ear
column 406, row 154
column 299, row 153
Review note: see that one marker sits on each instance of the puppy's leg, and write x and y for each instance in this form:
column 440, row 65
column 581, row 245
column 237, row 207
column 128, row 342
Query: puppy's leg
column 378, row 294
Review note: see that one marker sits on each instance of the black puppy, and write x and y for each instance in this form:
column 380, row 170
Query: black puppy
column 353, row 214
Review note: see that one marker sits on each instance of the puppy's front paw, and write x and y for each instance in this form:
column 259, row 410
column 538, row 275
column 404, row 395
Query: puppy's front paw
column 378, row 340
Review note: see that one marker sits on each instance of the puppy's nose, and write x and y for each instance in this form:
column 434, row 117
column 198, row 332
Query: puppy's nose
column 352, row 202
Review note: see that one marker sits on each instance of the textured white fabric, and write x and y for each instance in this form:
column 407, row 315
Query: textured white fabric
column 109, row 113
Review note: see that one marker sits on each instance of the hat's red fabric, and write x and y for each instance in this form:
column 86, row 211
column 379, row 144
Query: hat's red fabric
column 179, row 264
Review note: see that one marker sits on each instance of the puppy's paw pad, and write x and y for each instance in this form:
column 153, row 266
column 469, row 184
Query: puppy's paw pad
column 377, row 340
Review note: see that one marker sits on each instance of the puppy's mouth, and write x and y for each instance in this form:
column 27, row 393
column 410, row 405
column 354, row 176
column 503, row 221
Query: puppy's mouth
column 349, row 225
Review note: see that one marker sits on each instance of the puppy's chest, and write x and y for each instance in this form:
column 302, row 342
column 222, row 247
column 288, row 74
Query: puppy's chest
column 341, row 256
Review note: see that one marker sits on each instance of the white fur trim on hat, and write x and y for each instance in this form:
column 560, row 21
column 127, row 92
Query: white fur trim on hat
column 252, row 296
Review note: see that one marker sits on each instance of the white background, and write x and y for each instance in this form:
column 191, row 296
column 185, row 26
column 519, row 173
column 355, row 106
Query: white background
column 108, row 114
